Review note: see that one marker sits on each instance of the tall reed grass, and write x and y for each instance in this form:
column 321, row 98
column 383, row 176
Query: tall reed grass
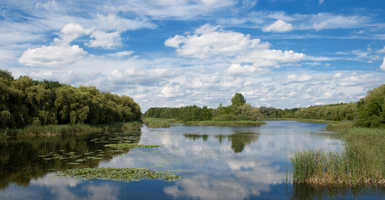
column 362, row 162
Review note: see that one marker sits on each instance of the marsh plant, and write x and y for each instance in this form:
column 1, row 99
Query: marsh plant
column 119, row 174
column 362, row 162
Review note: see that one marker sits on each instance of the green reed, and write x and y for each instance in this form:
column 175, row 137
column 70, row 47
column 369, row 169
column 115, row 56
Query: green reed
column 362, row 162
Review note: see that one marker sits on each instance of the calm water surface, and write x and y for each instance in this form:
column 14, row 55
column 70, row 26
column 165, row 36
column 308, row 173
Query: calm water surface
column 214, row 163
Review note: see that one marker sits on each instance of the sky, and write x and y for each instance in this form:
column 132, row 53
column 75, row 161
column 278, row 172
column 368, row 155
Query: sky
column 280, row 53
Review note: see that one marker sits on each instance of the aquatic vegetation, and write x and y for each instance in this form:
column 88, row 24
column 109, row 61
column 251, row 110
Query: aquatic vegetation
column 119, row 174
column 55, row 130
column 224, row 123
column 129, row 146
column 362, row 162
column 158, row 122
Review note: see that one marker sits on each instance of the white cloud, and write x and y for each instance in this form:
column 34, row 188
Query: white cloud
column 105, row 40
column 283, row 21
column 209, row 42
column 303, row 77
column 171, row 91
column 321, row 1
column 52, row 55
column 322, row 21
column 183, row 9
column 383, row 65
column 278, row 26
column 113, row 23
column 381, row 50
column 70, row 32
column 242, row 69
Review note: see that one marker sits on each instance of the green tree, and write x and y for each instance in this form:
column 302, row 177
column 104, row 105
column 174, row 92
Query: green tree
column 371, row 109
column 238, row 100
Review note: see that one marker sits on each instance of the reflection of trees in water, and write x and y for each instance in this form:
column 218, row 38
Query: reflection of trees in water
column 239, row 140
column 194, row 136
column 306, row 191
column 21, row 160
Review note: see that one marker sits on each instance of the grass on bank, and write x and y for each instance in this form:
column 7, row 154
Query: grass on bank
column 159, row 122
column 119, row 174
column 362, row 162
column 302, row 120
column 224, row 123
column 72, row 129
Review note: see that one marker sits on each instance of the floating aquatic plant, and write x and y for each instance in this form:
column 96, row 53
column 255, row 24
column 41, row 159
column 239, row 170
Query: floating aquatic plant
column 119, row 174
column 129, row 146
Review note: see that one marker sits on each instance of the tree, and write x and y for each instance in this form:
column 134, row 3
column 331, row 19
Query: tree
column 371, row 109
column 238, row 100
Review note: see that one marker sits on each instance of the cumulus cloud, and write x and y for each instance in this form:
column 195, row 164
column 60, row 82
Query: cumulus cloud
column 70, row 32
column 383, row 65
column 278, row 26
column 60, row 52
column 212, row 41
column 52, row 55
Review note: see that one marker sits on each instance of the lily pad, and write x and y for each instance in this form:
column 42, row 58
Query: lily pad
column 119, row 174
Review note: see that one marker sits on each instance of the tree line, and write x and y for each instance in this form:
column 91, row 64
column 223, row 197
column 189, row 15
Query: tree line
column 24, row 101
column 368, row 112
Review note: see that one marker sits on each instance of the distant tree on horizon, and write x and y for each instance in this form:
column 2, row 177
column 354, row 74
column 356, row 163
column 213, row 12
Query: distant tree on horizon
column 238, row 100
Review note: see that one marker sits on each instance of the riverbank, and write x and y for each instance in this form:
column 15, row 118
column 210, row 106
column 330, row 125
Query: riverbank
column 167, row 123
column 302, row 120
column 362, row 162
column 159, row 122
column 69, row 129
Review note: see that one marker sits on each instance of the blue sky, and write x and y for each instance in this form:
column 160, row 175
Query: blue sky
column 280, row 53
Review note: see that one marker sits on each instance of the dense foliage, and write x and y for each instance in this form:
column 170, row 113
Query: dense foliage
column 369, row 112
column 24, row 101
column 371, row 109
column 187, row 113
column 238, row 100
column 335, row 112
column 239, row 110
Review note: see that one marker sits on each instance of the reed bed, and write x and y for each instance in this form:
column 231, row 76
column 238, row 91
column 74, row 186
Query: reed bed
column 71, row 129
column 55, row 130
column 362, row 162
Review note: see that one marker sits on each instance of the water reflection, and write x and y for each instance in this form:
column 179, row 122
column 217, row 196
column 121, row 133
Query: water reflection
column 238, row 140
column 22, row 160
column 215, row 163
